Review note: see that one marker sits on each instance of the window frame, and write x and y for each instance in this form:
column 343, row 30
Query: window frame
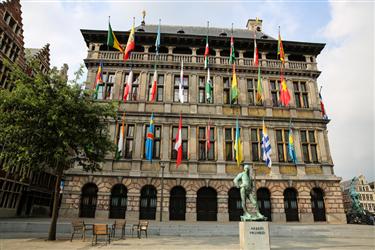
column 309, row 144
column 126, row 139
column 159, row 86
column 275, row 92
column 301, row 94
column 185, row 154
column 156, row 139
column 185, row 86
column 258, row 143
column 284, row 144
column 203, row 141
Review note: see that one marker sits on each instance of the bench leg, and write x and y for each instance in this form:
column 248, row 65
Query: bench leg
column 71, row 238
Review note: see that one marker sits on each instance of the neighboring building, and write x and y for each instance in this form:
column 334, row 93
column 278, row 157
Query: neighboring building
column 40, row 56
column 21, row 194
column 202, row 187
column 11, row 38
column 365, row 191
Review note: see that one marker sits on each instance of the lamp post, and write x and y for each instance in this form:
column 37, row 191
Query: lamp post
column 162, row 166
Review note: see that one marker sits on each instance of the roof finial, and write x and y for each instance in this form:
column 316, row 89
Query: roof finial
column 143, row 18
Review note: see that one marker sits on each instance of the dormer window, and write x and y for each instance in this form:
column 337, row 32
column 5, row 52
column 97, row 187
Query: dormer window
column 141, row 30
column 223, row 34
column 264, row 37
column 181, row 31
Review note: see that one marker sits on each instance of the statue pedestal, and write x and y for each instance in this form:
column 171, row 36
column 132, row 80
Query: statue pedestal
column 254, row 235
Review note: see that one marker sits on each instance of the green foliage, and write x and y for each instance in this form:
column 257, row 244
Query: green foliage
column 47, row 123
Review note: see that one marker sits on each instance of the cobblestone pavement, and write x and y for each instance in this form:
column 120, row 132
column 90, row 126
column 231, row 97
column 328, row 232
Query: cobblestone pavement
column 14, row 241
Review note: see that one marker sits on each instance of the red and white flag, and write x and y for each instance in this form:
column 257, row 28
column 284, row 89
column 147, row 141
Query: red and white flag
column 153, row 87
column 256, row 56
column 178, row 145
column 128, row 86
column 208, row 135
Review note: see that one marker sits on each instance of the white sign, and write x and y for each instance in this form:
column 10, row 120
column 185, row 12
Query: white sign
column 254, row 235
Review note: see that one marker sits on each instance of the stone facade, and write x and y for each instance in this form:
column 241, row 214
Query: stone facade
column 313, row 173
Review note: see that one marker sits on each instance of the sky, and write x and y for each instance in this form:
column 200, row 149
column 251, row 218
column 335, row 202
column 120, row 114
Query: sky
column 347, row 61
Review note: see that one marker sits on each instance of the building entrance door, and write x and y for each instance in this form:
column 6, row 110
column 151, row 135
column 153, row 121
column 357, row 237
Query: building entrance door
column 88, row 200
column 290, row 204
column 118, row 205
column 206, row 204
column 234, row 204
column 264, row 202
column 177, row 203
column 148, row 203
column 317, row 204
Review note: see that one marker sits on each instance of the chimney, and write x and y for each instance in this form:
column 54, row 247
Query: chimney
column 254, row 25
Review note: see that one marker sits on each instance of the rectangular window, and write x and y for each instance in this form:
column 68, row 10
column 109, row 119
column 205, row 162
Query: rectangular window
column 203, row 154
column 256, row 144
column 202, row 95
column 282, row 137
column 226, row 90
column 252, row 91
column 105, row 90
column 185, row 86
column 127, row 140
column 229, row 142
column 159, row 87
column 156, row 145
column 301, row 94
column 133, row 95
column 184, row 135
column 309, row 146
column 275, row 92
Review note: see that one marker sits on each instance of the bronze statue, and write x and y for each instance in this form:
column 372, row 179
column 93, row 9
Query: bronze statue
column 246, row 184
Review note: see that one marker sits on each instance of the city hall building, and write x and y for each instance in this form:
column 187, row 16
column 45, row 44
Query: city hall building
column 201, row 188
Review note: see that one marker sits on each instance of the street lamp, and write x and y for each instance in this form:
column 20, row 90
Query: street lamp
column 162, row 166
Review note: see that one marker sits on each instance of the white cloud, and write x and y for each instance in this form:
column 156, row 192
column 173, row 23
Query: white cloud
column 348, row 87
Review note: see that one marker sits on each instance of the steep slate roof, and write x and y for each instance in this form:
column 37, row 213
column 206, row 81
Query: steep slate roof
column 202, row 31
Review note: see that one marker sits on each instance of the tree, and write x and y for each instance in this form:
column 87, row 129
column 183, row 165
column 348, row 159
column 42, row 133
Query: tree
column 46, row 123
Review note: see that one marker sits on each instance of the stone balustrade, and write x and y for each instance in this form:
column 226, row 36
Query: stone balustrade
column 141, row 56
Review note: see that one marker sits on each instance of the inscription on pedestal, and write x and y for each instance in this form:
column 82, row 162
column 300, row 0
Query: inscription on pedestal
column 254, row 235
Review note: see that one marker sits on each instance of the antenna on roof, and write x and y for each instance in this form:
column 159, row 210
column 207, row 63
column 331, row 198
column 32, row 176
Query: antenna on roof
column 143, row 17
column 232, row 29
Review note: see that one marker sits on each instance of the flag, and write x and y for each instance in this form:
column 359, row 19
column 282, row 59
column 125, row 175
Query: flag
column 266, row 147
column 324, row 114
column 209, row 87
column 259, row 88
column 153, row 87
column 157, row 42
column 112, row 40
column 98, row 79
column 178, row 145
column 128, row 86
column 284, row 92
column 120, row 143
column 180, row 86
column 280, row 50
column 208, row 137
column 234, row 87
column 256, row 56
column 291, row 149
column 130, row 45
column 238, row 145
column 206, row 54
column 150, row 139
column 232, row 55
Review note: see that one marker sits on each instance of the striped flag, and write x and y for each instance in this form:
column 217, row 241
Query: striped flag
column 130, row 46
column 206, row 54
column 238, row 145
column 180, row 86
column 234, row 87
column 178, row 145
column 153, row 86
column 324, row 114
column 208, row 87
column 280, row 49
column 208, row 136
column 256, row 55
column 112, row 40
column 291, row 149
column 150, row 139
column 232, row 55
column 98, row 79
column 266, row 147
column 128, row 86
column 157, row 42
column 259, row 95
column 120, row 143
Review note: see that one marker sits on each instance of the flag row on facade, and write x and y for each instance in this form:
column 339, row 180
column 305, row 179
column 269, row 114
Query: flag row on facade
column 238, row 145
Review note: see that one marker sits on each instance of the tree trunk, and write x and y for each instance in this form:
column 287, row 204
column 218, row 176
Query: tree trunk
column 55, row 210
